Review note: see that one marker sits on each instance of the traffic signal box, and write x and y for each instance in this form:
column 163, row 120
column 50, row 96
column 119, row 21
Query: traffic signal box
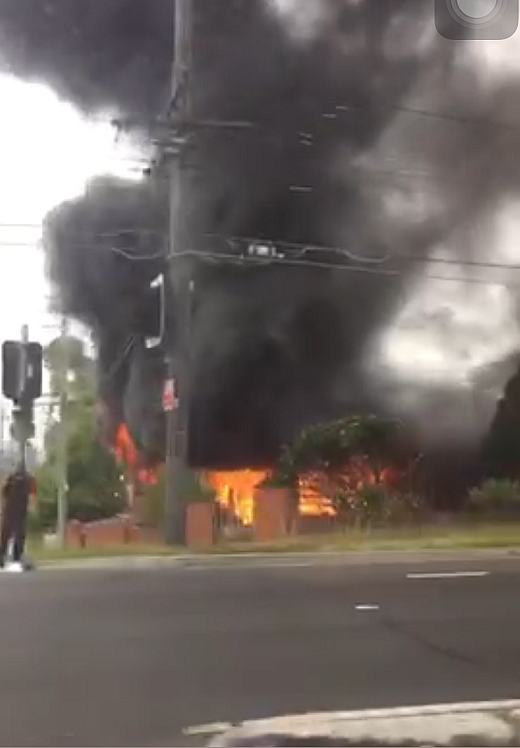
column 22, row 365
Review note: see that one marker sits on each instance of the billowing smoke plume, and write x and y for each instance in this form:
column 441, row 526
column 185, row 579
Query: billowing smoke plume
column 501, row 448
column 102, row 273
column 339, row 155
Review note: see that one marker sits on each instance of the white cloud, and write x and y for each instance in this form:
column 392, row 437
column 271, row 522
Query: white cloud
column 48, row 151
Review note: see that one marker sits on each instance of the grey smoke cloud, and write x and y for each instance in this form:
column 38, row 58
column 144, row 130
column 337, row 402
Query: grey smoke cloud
column 277, row 347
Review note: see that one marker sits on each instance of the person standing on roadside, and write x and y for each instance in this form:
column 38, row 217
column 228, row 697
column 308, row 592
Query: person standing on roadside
column 17, row 490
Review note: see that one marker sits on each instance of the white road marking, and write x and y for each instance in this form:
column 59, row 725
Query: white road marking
column 367, row 607
column 214, row 728
column 447, row 574
column 436, row 724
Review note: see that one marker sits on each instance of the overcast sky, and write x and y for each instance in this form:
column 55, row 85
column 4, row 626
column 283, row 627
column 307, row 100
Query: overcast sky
column 48, row 151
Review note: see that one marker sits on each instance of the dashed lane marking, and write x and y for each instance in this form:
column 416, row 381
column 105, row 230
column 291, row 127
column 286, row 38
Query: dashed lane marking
column 447, row 574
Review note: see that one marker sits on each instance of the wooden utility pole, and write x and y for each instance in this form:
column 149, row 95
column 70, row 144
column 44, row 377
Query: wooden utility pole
column 177, row 361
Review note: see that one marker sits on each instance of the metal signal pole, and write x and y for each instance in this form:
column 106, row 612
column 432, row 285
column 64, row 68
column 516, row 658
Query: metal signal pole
column 177, row 362
column 23, row 381
column 62, row 466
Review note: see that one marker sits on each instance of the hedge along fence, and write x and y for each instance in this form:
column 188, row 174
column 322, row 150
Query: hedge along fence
column 377, row 505
column 193, row 490
column 495, row 498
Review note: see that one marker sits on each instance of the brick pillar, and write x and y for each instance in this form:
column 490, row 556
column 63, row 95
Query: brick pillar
column 275, row 513
column 76, row 535
column 200, row 523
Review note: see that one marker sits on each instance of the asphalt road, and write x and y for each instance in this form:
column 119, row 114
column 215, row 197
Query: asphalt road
column 133, row 657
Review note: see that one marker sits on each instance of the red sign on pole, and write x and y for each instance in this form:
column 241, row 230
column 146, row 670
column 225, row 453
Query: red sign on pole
column 170, row 399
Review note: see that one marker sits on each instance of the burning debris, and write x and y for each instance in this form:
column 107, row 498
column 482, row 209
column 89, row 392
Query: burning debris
column 137, row 475
column 235, row 491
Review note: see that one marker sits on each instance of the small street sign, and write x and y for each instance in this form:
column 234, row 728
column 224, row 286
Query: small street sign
column 170, row 399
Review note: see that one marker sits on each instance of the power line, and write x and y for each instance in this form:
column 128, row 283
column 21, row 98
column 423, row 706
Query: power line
column 163, row 255
column 445, row 116
column 303, row 249
column 304, row 134
column 128, row 252
column 241, row 261
column 144, row 231
column 300, row 249
column 120, row 358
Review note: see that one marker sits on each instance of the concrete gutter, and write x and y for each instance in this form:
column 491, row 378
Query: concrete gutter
column 475, row 724
column 265, row 559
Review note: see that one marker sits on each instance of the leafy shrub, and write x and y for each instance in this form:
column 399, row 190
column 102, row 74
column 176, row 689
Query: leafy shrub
column 154, row 502
column 370, row 503
column 377, row 504
column 34, row 525
column 330, row 446
column 193, row 488
column 403, row 508
column 102, row 498
column 278, row 479
column 495, row 497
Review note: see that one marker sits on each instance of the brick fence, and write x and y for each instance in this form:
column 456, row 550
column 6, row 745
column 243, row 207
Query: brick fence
column 275, row 516
column 114, row 531
column 200, row 530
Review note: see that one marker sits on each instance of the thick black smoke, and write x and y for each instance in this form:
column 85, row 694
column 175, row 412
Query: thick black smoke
column 93, row 259
column 501, row 448
column 276, row 347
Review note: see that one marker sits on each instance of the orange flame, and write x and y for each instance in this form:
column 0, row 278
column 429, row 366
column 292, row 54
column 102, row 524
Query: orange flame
column 313, row 502
column 316, row 489
column 127, row 454
column 148, row 477
column 126, row 451
column 235, row 490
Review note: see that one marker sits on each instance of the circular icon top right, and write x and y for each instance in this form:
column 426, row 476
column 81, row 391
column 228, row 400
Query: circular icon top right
column 476, row 19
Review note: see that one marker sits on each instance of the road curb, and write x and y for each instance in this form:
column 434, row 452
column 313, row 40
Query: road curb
column 487, row 723
column 354, row 558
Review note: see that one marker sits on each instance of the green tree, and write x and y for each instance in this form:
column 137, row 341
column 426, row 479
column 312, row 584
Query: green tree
column 501, row 447
column 96, row 490
column 80, row 368
column 95, row 487
column 329, row 448
column 496, row 497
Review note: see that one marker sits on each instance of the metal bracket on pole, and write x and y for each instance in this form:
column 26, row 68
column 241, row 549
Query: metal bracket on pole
column 158, row 283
